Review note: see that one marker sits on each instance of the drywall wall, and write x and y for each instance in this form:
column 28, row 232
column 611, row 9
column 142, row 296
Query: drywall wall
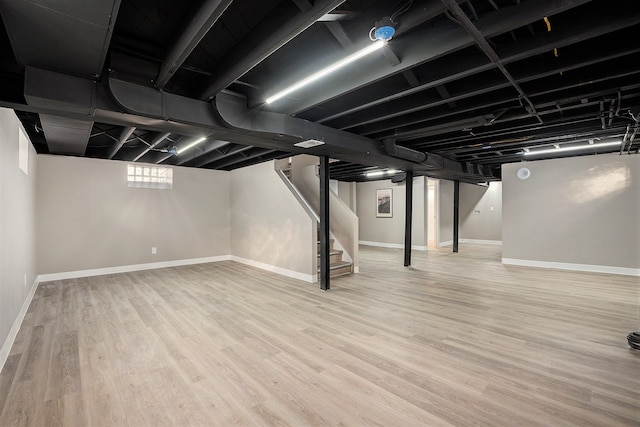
column 304, row 170
column 269, row 227
column 431, row 218
column 390, row 231
column 17, row 227
column 89, row 219
column 333, row 185
column 481, row 213
column 347, row 193
column 445, row 212
column 577, row 213
column 343, row 222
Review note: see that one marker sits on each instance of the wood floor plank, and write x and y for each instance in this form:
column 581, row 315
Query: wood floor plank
column 7, row 376
column 453, row 340
column 24, row 408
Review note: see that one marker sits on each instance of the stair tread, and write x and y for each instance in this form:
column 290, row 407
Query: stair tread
column 340, row 264
column 344, row 273
column 334, row 252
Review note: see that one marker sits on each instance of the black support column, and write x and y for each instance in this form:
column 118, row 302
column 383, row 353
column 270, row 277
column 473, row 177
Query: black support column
column 456, row 213
column 408, row 216
column 324, row 223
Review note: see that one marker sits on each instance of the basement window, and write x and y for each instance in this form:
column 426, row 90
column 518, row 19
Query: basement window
column 158, row 177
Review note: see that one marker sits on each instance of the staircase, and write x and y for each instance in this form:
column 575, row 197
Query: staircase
column 337, row 267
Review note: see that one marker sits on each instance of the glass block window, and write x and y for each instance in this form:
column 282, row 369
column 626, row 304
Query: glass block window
column 158, row 177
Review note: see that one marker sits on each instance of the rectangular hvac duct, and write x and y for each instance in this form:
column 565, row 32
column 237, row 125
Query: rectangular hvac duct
column 70, row 36
column 64, row 135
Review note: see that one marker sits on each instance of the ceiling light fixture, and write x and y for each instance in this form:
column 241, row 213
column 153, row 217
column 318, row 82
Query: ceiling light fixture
column 190, row 145
column 572, row 148
column 328, row 70
column 380, row 173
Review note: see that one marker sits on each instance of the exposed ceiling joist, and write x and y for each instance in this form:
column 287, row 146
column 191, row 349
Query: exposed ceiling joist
column 199, row 151
column 219, row 155
column 199, row 25
column 340, row 34
column 443, row 75
column 439, row 42
column 154, row 144
column 460, row 94
column 124, row 137
column 257, row 48
column 240, row 157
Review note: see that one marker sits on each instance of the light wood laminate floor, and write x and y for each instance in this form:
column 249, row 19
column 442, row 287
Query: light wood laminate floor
column 457, row 339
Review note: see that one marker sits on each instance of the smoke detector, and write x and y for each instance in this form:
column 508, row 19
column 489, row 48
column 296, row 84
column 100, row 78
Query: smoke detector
column 384, row 29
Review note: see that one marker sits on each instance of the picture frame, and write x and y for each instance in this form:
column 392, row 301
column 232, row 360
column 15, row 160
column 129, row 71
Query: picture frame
column 384, row 203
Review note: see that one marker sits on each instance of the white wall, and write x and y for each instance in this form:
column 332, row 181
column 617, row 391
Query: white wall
column 576, row 213
column 17, row 226
column 343, row 222
column 270, row 229
column 389, row 232
column 347, row 193
column 90, row 222
column 481, row 213
column 445, row 212
column 485, row 227
column 89, row 219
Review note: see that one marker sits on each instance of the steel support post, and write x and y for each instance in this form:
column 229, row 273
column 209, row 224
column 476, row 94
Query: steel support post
column 324, row 223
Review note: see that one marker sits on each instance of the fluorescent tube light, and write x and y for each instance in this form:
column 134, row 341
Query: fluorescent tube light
column 573, row 148
column 380, row 173
column 190, row 145
column 330, row 69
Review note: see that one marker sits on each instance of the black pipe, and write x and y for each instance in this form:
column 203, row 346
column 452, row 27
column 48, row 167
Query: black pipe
column 325, row 284
column 456, row 213
column 408, row 218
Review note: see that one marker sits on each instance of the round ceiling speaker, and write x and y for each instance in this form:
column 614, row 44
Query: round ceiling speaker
column 523, row 173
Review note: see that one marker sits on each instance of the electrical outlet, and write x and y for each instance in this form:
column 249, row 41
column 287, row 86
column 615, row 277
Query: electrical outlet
column 154, row 250
column 25, row 280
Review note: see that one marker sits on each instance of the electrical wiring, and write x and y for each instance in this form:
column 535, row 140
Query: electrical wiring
column 403, row 9
column 393, row 18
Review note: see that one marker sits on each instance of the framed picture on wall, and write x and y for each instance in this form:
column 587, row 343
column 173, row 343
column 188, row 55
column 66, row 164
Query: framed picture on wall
column 384, row 199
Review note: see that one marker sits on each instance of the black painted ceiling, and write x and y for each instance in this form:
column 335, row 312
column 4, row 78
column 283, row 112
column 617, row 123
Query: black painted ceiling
column 476, row 83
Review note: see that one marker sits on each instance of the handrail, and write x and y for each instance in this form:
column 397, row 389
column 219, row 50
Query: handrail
column 305, row 205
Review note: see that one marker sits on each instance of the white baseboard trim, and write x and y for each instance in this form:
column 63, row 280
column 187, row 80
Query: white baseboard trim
column 176, row 263
column 447, row 243
column 573, row 267
column 15, row 328
column 390, row 245
column 127, row 268
column 311, row 278
column 482, row 242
